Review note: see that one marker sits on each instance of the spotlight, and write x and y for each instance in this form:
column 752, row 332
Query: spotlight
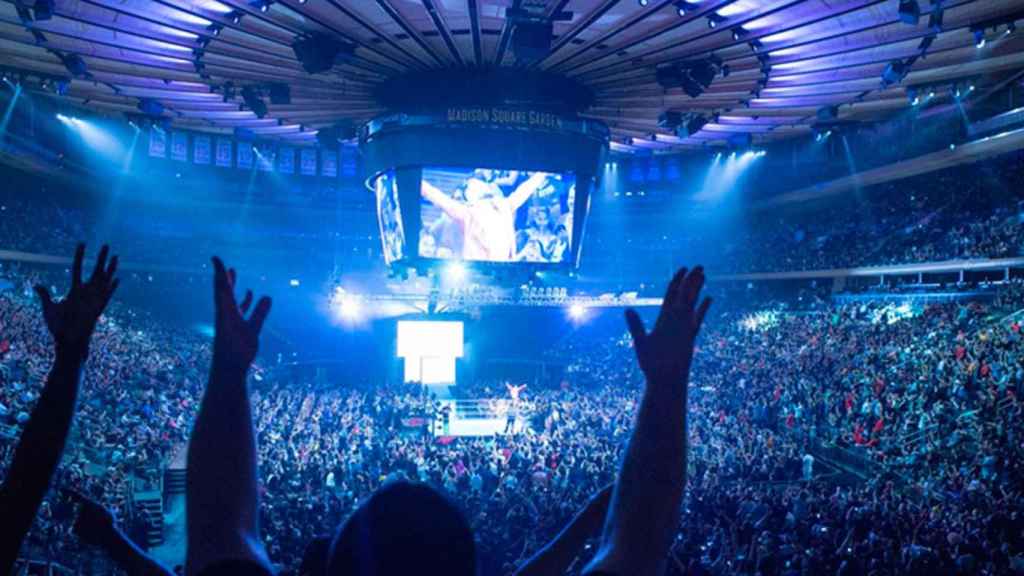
column 303, row 1
column 909, row 12
column 931, row 93
column 577, row 312
column 952, row 146
column 642, row 3
column 979, row 38
column 349, row 308
column 133, row 125
column 956, row 91
column 714, row 19
column 236, row 17
column 215, row 29
column 756, row 45
column 455, row 272
column 894, row 72
column 913, row 97
column 265, row 6
column 682, row 7
column 738, row 32
column 74, row 64
column 1011, row 28
column 294, row 282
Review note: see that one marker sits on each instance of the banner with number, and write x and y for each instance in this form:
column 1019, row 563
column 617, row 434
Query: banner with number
column 307, row 162
column 349, row 160
column 157, row 142
column 179, row 146
column 245, row 154
column 286, row 160
column 201, row 149
column 224, row 152
column 328, row 163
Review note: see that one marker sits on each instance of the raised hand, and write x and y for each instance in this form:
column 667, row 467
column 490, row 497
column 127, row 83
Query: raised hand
column 666, row 351
column 237, row 339
column 72, row 319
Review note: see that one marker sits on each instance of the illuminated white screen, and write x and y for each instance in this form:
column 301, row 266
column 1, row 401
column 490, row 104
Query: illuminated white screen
column 430, row 349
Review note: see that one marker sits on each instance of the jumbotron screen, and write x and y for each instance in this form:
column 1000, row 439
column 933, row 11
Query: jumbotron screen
column 488, row 215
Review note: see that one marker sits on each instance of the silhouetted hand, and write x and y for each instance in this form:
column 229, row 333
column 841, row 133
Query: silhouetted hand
column 72, row 319
column 237, row 339
column 94, row 523
column 665, row 353
column 593, row 514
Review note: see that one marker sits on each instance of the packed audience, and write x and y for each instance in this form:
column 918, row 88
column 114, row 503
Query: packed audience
column 924, row 400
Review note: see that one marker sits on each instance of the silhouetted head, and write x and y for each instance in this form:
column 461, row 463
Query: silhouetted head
column 404, row 528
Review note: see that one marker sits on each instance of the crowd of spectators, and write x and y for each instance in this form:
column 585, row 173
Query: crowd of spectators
column 927, row 396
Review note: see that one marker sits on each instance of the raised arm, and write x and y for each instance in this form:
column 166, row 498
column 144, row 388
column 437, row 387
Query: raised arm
column 648, row 492
column 454, row 209
column 71, row 322
column 523, row 192
column 95, row 526
column 558, row 554
column 222, row 503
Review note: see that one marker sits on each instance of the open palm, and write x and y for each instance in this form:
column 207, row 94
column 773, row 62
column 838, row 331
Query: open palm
column 665, row 352
column 237, row 339
column 72, row 319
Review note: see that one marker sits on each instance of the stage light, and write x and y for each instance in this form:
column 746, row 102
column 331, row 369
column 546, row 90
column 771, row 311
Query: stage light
column 909, row 12
column 264, row 7
column 931, row 93
column 738, row 32
column 642, row 3
column 577, row 312
column 894, row 72
column 952, row 146
column 294, row 282
column 455, row 272
column 979, row 38
column 714, row 20
column 133, row 125
column 150, row 107
column 74, row 64
column 236, row 18
column 1011, row 28
column 681, row 7
column 349, row 308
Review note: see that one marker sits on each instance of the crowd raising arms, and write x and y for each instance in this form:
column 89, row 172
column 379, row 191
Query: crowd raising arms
column 638, row 513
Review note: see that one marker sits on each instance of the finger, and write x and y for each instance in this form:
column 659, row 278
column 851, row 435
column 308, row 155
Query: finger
column 220, row 284
column 259, row 314
column 246, row 302
column 671, row 297
column 636, row 326
column 44, row 296
column 101, row 263
column 112, row 268
column 701, row 311
column 76, row 266
column 232, row 276
column 672, row 292
column 692, row 287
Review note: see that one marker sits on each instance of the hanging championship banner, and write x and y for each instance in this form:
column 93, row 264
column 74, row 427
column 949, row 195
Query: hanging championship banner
column 223, row 157
column 286, row 160
column 329, row 163
column 201, row 150
column 179, row 146
column 349, row 158
column 307, row 162
column 245, row 154
column 157, row 142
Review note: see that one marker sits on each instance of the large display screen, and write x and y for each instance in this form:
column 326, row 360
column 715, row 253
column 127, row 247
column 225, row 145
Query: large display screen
column 430, row 349
column 496, row 215
column 392, row 232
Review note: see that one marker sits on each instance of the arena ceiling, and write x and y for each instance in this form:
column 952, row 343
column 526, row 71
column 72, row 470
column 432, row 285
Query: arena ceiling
column 787, row 59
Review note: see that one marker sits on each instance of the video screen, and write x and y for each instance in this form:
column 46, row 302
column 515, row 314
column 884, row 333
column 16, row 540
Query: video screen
column 496, row 215
column 392, row 233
